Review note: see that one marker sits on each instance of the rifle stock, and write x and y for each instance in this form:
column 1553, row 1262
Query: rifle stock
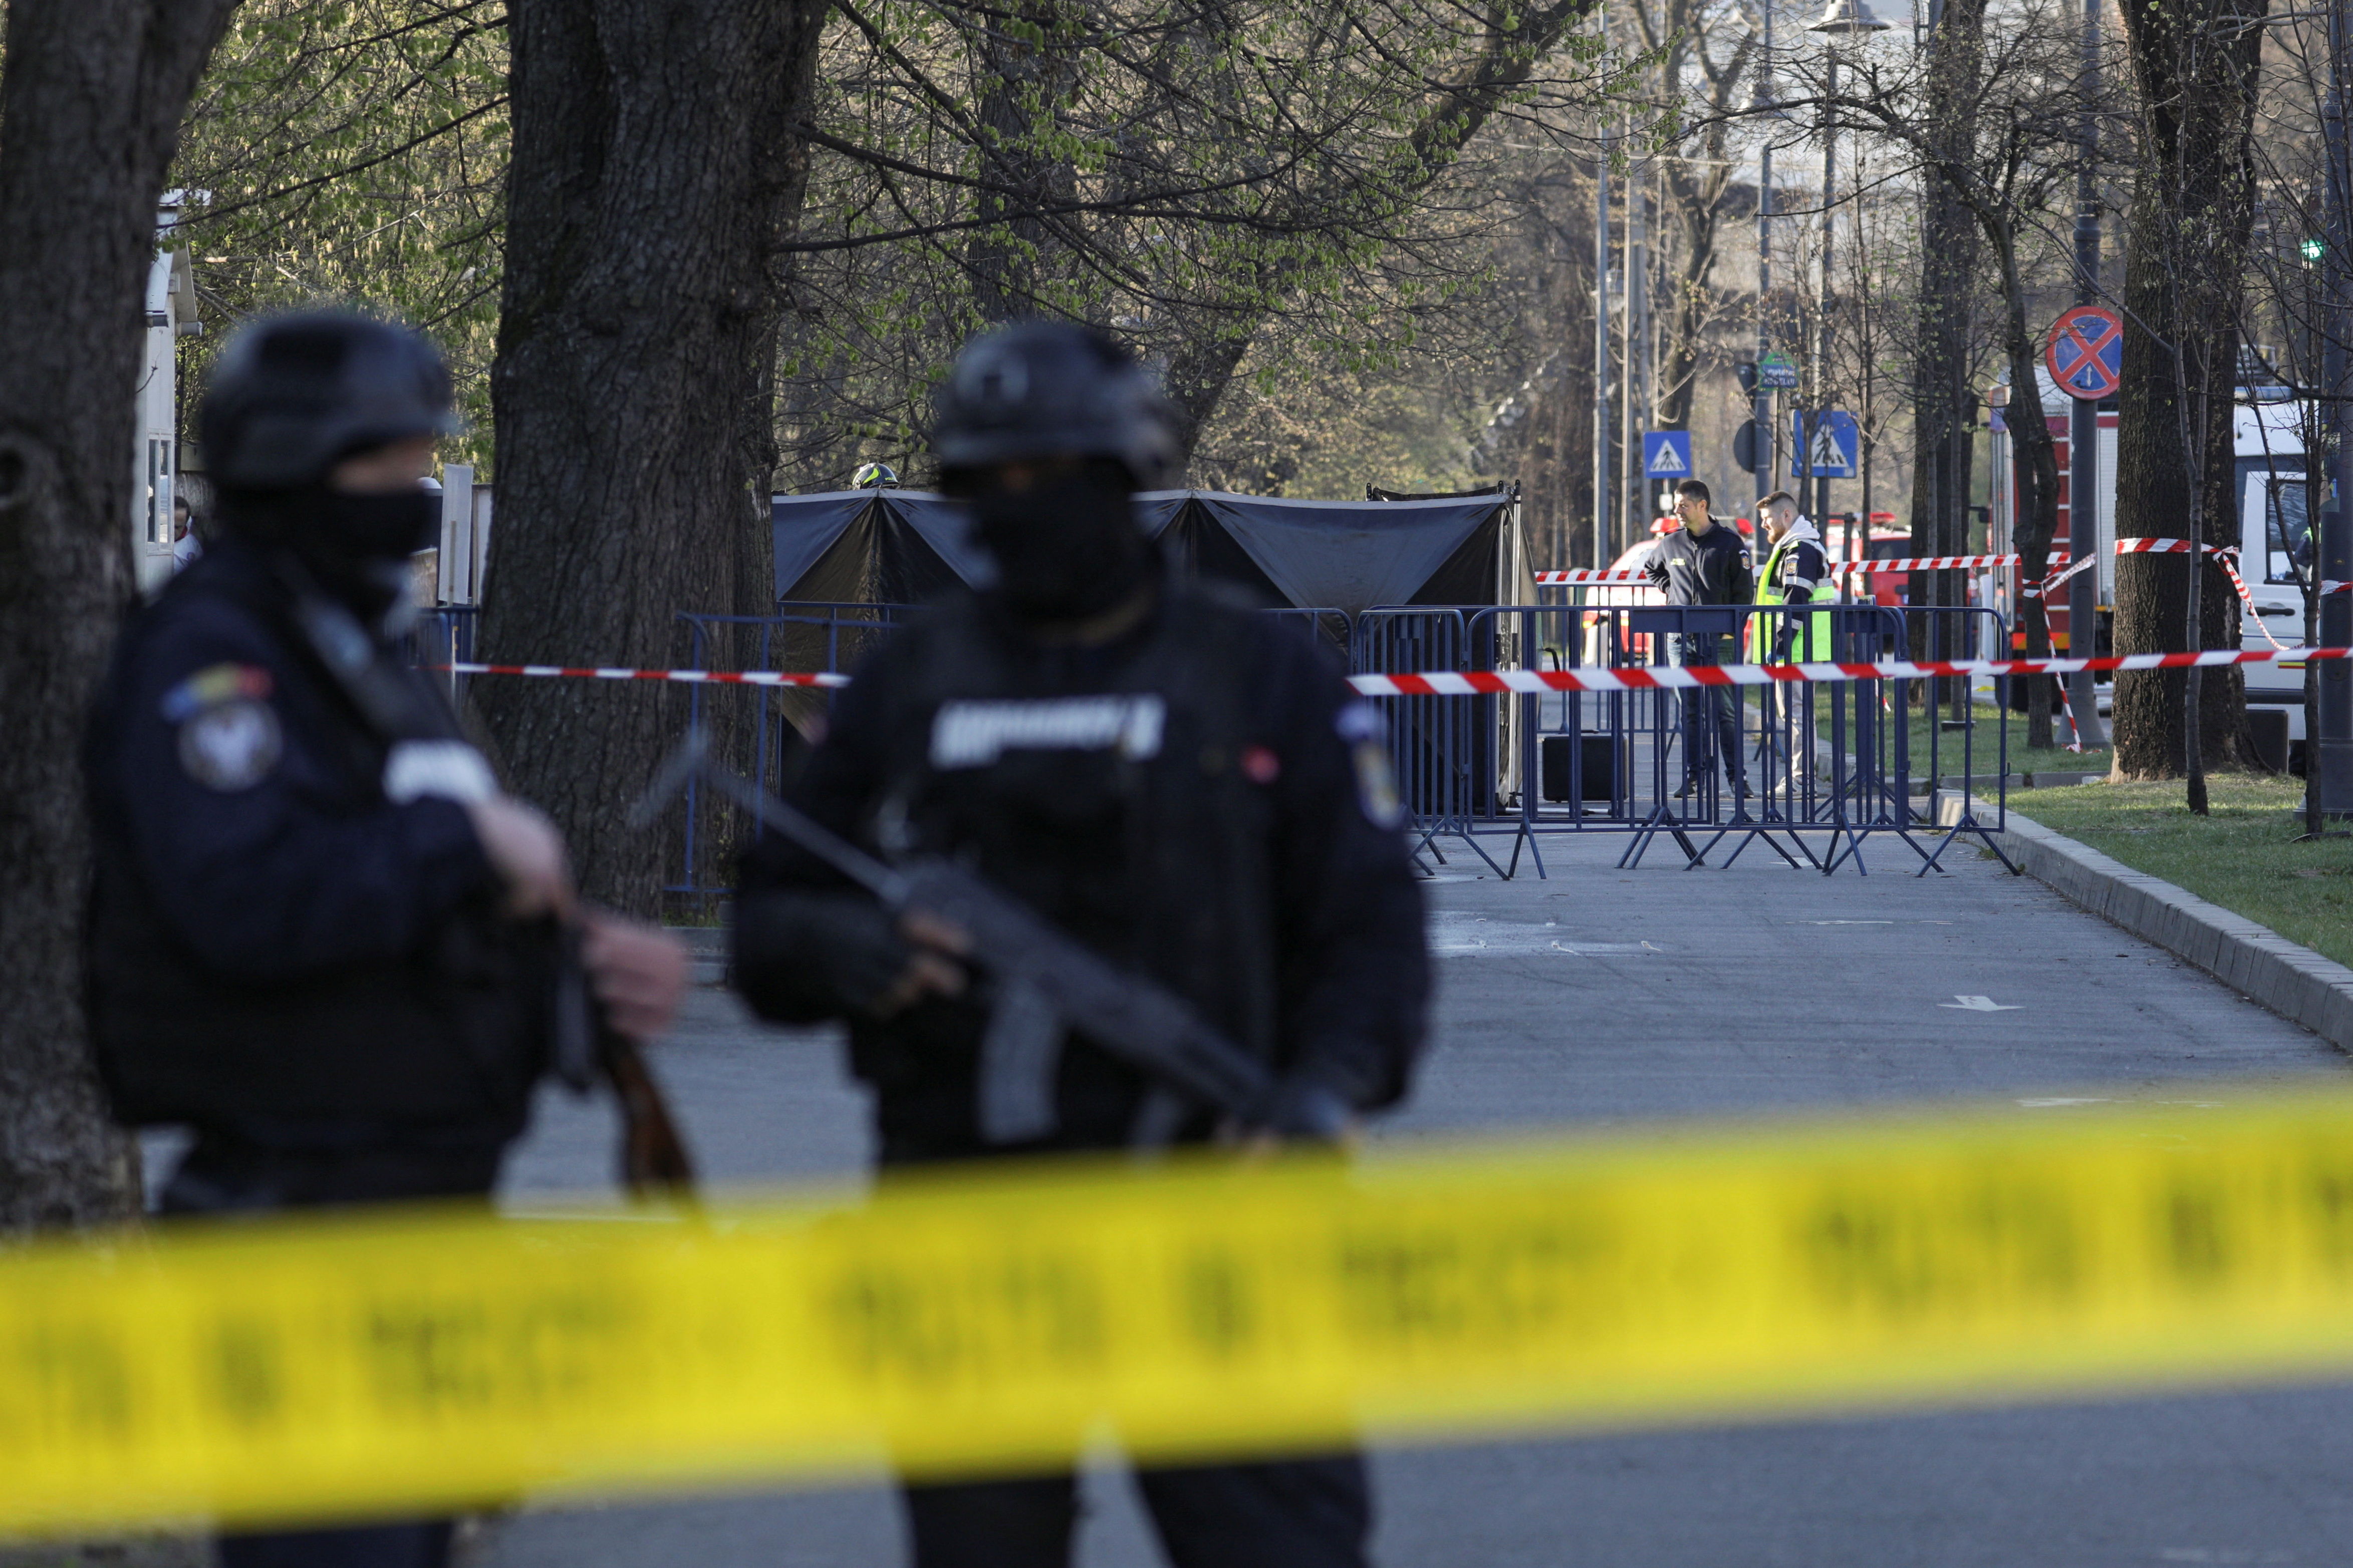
column 652, row 1161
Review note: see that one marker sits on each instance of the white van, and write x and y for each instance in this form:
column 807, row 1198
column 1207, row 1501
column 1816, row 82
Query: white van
column 2275, row 547
column 2276, row 540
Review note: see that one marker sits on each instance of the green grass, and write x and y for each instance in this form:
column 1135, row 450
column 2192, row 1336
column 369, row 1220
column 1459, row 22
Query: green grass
column 1985, row 747
column 1985, row 756
column 2241, row 857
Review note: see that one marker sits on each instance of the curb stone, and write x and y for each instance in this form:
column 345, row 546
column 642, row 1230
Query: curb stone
column 2293, row 981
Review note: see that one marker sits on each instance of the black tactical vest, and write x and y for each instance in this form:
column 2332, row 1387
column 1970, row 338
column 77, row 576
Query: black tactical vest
column 1106, row 789
column 452, row 1034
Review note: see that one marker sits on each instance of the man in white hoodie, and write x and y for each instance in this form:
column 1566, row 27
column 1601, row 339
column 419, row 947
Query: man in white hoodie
column 1795, row 571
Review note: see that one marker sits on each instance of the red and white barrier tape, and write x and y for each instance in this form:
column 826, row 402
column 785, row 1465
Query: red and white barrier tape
column 1925, row 564
column 1501, row 682
column 2228, row 561
column 2042, row 589
column 1586, row 575
column 692, row 677
column 2067, row 707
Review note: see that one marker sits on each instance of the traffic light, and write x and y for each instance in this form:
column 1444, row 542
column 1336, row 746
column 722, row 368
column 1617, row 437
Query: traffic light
column 2313, row 247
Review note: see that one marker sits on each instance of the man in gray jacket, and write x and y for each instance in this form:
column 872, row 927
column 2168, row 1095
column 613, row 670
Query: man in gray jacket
column 1704, row 563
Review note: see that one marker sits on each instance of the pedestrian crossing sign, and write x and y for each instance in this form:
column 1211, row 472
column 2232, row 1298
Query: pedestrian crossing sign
column 1666, row 453
column 1824, row 445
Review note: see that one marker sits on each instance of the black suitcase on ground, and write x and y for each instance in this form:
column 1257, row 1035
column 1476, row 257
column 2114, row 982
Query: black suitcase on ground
column 1597, row 756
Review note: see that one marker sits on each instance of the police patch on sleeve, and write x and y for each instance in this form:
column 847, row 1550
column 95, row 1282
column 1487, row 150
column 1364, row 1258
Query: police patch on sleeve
column 212, row 686
column 231, row 745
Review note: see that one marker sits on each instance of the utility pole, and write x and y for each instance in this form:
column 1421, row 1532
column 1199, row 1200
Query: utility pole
column 2331, row 768
column 1761, row 405
column 1602, row 553
column 1634, row 481
column 2083, row 418
column 1830, row 232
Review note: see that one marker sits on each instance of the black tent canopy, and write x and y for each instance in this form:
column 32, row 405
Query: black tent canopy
column 902, row 546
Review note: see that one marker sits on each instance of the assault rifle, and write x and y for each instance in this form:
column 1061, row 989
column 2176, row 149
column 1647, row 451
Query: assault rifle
column 1045, row 982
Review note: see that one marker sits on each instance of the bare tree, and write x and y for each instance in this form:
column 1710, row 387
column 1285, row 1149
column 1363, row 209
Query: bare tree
column 2195, row 63
column 1695, row 60
column 2005, row 155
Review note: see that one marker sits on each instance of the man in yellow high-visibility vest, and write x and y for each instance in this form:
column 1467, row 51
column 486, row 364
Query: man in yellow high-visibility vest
column 1796, row 571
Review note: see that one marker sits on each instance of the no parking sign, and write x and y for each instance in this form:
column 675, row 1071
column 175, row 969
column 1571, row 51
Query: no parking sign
column 2086, row 352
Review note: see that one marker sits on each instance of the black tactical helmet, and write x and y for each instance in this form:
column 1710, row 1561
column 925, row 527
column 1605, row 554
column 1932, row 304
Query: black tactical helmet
column 293, row 396
column 1049, row 389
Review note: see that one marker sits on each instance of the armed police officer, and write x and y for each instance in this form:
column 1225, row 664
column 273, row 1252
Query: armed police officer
column 1704, row 563
column 321, row 936
column 1184, row 785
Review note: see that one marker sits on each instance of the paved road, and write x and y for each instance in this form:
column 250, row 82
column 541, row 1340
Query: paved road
column 1608, row 998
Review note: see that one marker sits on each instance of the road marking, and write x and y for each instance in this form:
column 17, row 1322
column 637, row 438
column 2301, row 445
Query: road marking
column 1872, row 922
column 1978, row 1005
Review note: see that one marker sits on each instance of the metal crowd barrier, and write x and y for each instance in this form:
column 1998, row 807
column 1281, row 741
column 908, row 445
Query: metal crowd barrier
column 444, row 635
column 1820, row 767
column 1816, row 769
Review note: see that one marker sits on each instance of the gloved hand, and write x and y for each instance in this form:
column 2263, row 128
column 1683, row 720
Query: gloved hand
column 801, row 956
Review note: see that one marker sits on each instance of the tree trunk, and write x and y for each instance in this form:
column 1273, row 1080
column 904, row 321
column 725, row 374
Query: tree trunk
column 2194, row 62
column 657, row 162
column 1942, row 400
column 89, row 112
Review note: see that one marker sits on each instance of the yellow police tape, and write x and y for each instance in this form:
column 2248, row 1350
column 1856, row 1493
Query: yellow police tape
column 300, row 1370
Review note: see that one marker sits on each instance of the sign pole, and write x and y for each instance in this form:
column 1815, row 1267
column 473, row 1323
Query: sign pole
column 2084, row 422
column 2086, row 357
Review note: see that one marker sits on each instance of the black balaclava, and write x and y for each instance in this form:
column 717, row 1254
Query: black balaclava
column 1067, row 549
column 355, row 547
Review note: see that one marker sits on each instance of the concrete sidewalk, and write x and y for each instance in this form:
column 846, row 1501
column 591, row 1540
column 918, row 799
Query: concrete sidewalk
column 1598, row 997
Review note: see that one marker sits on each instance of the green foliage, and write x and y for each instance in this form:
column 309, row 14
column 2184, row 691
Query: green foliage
column 355, row 152
column 1294, row 185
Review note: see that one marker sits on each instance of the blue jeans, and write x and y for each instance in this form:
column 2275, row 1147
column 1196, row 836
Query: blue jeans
column 1711, row 716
